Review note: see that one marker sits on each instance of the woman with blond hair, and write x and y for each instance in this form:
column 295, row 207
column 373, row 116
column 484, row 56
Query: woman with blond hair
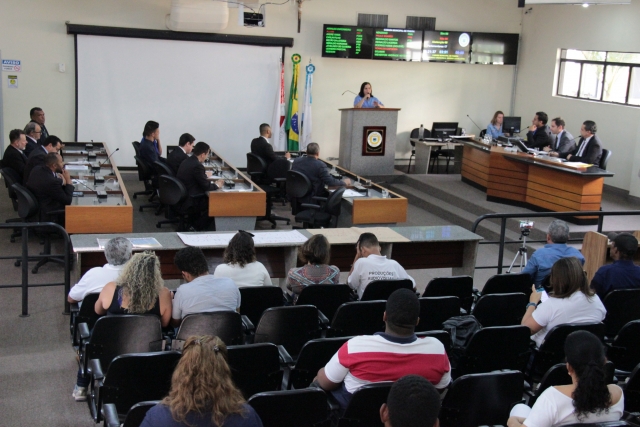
column 495, row 127
column 139, row 289
column 202, row 393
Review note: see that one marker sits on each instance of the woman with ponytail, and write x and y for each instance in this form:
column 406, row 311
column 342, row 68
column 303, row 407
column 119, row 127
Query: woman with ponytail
column 588, row 399
column 202, row 393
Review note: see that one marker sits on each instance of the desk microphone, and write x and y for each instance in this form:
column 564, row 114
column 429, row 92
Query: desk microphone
column 349, row 92
column 479, row 128
column 99, row 194
column 97, row 179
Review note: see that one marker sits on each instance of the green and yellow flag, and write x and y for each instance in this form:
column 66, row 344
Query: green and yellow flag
column 293, row 121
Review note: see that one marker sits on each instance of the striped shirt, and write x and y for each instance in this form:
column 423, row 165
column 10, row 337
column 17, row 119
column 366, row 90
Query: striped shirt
column 381, row 357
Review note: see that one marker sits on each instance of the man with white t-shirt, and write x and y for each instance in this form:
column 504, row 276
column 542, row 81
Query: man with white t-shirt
column 388, row 355
column 117, row 251
column 370, row 265
column 202, row 292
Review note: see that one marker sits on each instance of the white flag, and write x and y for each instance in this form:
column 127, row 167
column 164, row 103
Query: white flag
column 278, row 137
column 307, row 120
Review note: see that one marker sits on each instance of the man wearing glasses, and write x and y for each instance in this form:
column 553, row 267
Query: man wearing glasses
column 33, row 132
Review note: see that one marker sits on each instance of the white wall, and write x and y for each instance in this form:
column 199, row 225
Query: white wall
column 34, row 31
column 548, row 28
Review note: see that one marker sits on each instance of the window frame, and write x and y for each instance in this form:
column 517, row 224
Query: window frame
column 605, row 64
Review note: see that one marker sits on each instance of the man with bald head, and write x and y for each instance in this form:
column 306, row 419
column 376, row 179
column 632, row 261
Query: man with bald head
column 52, row 192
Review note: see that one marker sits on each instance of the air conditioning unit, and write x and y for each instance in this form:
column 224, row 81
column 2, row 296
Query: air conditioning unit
column 203, row 16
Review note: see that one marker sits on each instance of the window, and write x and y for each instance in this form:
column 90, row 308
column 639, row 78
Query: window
column 612, row 77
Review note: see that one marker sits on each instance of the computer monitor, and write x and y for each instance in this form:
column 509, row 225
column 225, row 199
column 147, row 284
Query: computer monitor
column 443, row 129
column 511, row 125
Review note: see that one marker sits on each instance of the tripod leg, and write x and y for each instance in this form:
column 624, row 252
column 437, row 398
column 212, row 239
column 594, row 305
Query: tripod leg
column 515, row 258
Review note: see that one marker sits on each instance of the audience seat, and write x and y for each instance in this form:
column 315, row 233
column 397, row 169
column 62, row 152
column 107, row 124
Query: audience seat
column 327, row 298
column 632, row 391
column 382, row 289
column 257, row 367
column 435, row 310
column 500, row 309
column 134, row 417
column 442, row 336
column 292, row 408
column 624, row 350
column 456, row 286
column 469, row 404
column 507, row 284
column 623, row 306
column 358, row 318
column 290, row 327
column 254, row 300
column 83, row 313
column 226, row 325
column 131, row 378
column 364, row 407
column 552, row 349
column 495, row 348
column 315, row 354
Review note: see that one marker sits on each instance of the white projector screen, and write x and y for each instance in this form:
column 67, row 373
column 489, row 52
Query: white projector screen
column 219, row 93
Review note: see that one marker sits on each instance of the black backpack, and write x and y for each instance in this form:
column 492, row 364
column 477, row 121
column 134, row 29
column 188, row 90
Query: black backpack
column 461, row 329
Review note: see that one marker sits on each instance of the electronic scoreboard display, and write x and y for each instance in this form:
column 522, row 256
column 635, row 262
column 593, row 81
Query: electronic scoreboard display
column 397, row 44
column 344, row 41
column 446, row 46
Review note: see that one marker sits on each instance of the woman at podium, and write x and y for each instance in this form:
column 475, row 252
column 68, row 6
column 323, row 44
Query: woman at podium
column 365, row 98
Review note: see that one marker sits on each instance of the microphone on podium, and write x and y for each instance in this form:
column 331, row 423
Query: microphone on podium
column 349, row 92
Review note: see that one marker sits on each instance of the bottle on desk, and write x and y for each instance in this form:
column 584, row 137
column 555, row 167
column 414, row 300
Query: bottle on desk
column 421, row 133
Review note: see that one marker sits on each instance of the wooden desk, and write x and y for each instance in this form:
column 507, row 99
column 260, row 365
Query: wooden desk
column 523, row 180
column 235, row 210
column 412, row 247
column 89, row 214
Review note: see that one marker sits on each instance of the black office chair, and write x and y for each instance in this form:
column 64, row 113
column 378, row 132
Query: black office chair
column 604, row 158
column 298, row 187
column 29, row 211
column 435, row 310
column 257, row 168
column 324, row 214
column 414, row 134
column 150, row 180
column 447, row 153
column 11, row 177
column 277, row 173
column 623, row 306
column 382, row 289
column 468, row 404
column 483, row 132
column 183, row 206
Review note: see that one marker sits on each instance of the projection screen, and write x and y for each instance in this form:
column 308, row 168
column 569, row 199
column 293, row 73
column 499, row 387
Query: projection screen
column 220, row 93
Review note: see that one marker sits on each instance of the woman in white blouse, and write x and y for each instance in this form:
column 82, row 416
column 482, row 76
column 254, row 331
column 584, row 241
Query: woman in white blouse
column 588, row 399
column 571, row 301
column 240, row 263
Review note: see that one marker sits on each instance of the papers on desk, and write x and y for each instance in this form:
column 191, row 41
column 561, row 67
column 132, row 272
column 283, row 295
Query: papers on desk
column 577, row 165
column 222, row 239
column 137, row 242
column 348, row 193
column 76, row 167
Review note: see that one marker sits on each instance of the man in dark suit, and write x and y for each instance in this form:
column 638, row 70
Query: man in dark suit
column 14, row 156
column 33, row 131
column 177, row 156
column 539, row 135
column 589, row 149
column 150, row 147
column 260, row 146
column 194, row 177
column 36, row 158
column 316, row 171
column 52, row 193
column 37, row 116
column 564, row 141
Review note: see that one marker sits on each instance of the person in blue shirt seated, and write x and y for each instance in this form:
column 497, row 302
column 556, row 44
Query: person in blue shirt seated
column 150, row 147
column 539, row 266
column 623, row 273
column 365, row 98
column 495, row 127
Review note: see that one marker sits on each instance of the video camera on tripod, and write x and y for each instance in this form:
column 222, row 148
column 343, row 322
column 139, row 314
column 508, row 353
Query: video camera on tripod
column 525, row 227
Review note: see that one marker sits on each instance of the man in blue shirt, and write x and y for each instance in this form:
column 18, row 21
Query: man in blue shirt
column 150, row 147
column 539, row 266
column 623, row 273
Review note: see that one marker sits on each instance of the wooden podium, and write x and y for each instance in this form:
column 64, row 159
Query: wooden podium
column 368, row 140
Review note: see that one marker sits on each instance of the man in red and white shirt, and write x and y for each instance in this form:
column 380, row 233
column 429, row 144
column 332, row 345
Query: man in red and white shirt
column 387, row 356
